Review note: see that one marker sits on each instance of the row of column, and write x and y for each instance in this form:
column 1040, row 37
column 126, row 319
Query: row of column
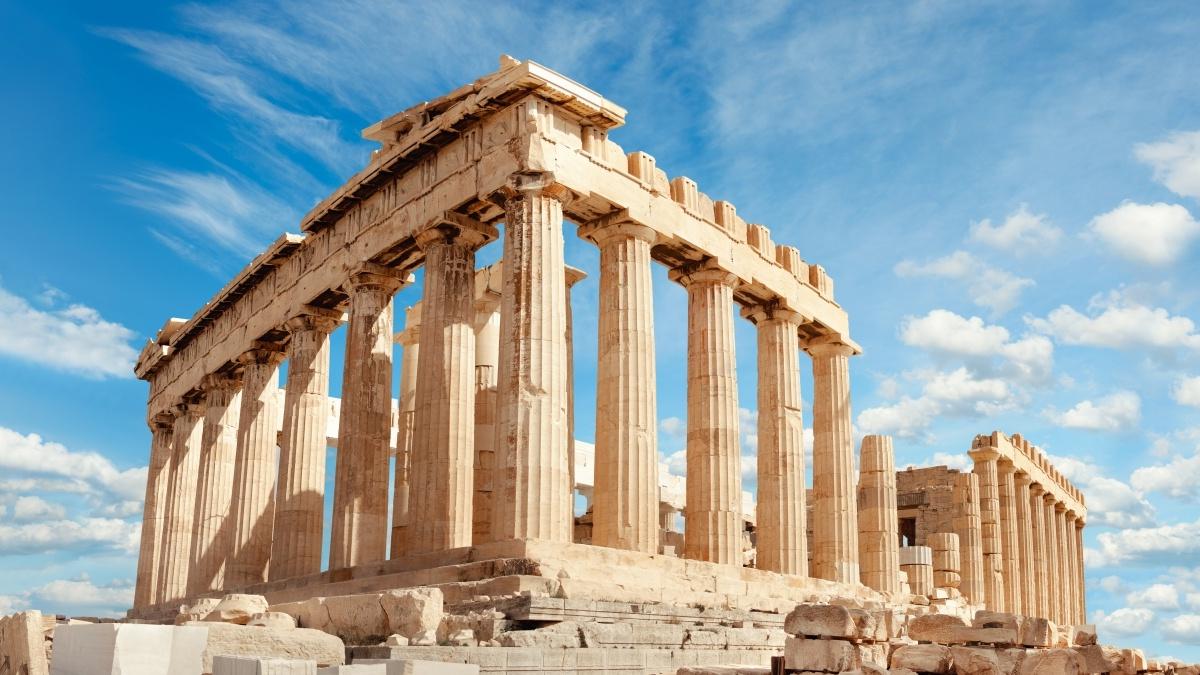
column 218, row 517
column 1032, row 545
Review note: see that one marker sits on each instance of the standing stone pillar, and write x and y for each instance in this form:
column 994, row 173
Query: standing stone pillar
column 214, row 488
column 781, row 543
column 300, row 498
column 1053, row 571
column 1065, row 573
column 574, row 276
column 1013, row 581
column 835, row 525
column 985, row 458
column 410, row 341
column 158, row 475
column 443, row 456
column 713, row 510
column 1040, row 557
column 360, row 509
column 878, row 523
column 487, row 357
column 1080, row 579
column 947, row 563
column 1026, row 557
column 917, row 564
column 257, row 458
column 1073, row 589
column 534, row 499
column 625, row 502
column 181, row 503
column 970, row 536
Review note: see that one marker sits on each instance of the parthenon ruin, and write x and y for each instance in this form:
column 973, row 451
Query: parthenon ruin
column 481, row 434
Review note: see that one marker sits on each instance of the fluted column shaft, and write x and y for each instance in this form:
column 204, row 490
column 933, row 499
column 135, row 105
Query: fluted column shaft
column 443, row 455
column 214, row 489
column 877, row 519
column 1065, row 573
column 1081, row 579
column 300, row 495
column 360, row 509
column 1013, row 581
column 989, row 515
column 487, row 355
column 970, row 536
column 782, row 542
column 254, row 480
column 713, row 511
column 1040, row 557
column 1072, row 563
column 625, row 502
column 534, row 498
column 410, row 341
column 181, row 504
column 835, row 512
column 154, row 513
column 1053, row 571
column 1026, row 557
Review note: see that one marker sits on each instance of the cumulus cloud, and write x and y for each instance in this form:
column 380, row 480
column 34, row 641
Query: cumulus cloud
column 1176, row 162
column 1187, row 391
column 988, row 286
column 1125, row 622
column 78, row 597
column 74, row 338
column 82, row 472
column 1117, row 320
column 673, row 426
column 1178, row 478
column 955, row 393
column 1022, row 232
column 1182, row 629
column 88, row 534
column 1119, row 411
column 1155, row 596
column 1158, row 545
column 946, row 333
column 28, row 508
column 1153, row 234
column 1111, row 502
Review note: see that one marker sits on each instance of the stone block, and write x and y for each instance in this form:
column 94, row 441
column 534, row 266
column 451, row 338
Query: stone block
column 830, row 621
column 986, row 619
column 1132, row 660
column 128, row 649
column 1099, row 659
column 358, row 619
column 922, row 658
column 985, row 660
column 355, row 669
column 196, row 611
column 724, row 670
column 539, row 639
column 1038, row 632
column 297, row 644
column 942, row 628
column 248, row 665
column 705, row 638
column 22, row 644
column 1052, row 662
column 1085, row 634
column 237, row 608
column 605, row 634
column 413, row 610
column 272, row 620
column 417, row 667
column 310, row 613
column 820, row 655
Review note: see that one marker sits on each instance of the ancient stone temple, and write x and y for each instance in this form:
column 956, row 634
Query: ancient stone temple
column 466, row 482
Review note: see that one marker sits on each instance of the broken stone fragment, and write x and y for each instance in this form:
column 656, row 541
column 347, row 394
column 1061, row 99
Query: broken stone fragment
column 922, row 658
column 413, row 610
column 237, row 608
column 830, row 621
column 942, row 628
column 395, row 640
column 302, row 644
column 272, row 620
column 1052, row 662
column 196, row 611
column 358, row 619
column 820, row 655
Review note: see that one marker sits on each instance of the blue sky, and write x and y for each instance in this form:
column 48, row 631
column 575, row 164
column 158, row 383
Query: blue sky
column 1006, row 195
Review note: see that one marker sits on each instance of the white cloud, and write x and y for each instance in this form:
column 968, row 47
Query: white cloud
column 82, row 471
column 73, row 597
column 1112, row 584
column 1176, row 162
column 1156, row 545
column 1022, row 232
column 70, row 535
column 1119, row 411
column 1152, row 234
column 1187, row 391
column 74, row 338
column 1155, row 596
column 954, row 460
column 1118, row 321
column 29, row 508
column 1110, row 502
column 1125, row 622
column 10, row 604
column 1179, row 478
column 945, row 333
column 988, row 286
column 673, row 426
column 956, row 393
column 1183, row 629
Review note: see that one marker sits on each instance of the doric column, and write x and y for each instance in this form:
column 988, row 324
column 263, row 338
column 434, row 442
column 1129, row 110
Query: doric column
column 360, row 509
column 625, row 505
column 1065, row 573
column 409, row 340
column 713, row 511
column 443, row 454
column 1080, row 578
column 835, row 513
column 214, row 488
column 1040, row 558
column 970, row 536
column 487, row 357
column 574, row 275
column 985, row 458
column 1013, row 581
column 300, row 497
column 1072, row 576
column 879, row 540
column 257, row 458
column 154, row 513
column 181, row 503
column 1053, row 571
column 1026, row 556
column 534, row 499
column 781, row 543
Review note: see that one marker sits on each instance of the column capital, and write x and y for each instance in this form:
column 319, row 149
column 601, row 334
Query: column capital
column 829, row 345
column 220, row 384
column 1049, row 498
column 984, row 453
column 369, row 276
column 574, row 275
column 1022, row 478
column 451, row 227
column 617, row 226
column 1036, row 489
column 525, row 184
column 772, row 311
column 706, row 271
column 163, row 421
column 262, row 353
column 1080, row 523
column 314, row 318
column 409, row 336
column 1005, row 465
column 192, row 409
column 1059, row 507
